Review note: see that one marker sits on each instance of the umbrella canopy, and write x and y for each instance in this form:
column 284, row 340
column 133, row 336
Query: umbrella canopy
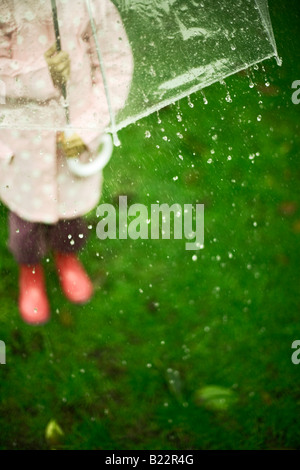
column 177, row 48
column 181, row 46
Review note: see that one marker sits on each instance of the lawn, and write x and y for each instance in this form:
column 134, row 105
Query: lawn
column 178, row 349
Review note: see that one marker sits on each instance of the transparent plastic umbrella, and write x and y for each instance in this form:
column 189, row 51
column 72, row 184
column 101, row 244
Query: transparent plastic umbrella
column 181, row 46
column 177, row 47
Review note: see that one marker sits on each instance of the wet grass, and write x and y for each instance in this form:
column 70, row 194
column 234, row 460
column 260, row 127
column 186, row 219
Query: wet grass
column 128, row 370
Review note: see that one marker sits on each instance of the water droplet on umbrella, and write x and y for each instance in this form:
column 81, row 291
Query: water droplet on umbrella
column 204, row 98
column 191, row 105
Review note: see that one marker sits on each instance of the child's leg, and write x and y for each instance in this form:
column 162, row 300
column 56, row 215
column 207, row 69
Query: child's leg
column 67, row 238
column 27, row 240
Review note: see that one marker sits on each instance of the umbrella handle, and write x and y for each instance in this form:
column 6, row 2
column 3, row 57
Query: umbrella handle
column 88, row 169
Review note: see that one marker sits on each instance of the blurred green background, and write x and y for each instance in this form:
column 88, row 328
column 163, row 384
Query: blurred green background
column 175, row 352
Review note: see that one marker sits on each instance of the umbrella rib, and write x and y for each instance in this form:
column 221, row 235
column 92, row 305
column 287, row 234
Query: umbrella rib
column 58, row 48
column 102, row 68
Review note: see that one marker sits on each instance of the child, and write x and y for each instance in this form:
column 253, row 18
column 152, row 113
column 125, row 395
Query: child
column 45, row 200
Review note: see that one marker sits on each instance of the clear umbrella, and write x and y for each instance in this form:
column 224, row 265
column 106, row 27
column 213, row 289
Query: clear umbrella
column 177, row 47
column 181, row 46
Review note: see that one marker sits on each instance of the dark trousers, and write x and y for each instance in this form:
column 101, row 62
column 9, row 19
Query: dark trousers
column 29, row 242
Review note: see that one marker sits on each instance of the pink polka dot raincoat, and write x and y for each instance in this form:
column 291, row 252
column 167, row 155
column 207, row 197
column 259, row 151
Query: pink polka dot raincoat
column 35, row 181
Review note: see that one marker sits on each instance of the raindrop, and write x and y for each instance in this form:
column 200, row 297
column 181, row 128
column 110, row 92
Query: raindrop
column 228, row 98
column 189, row 102
column 147, row 134
column 116, row 140
column 194, row 257
column 204, row 98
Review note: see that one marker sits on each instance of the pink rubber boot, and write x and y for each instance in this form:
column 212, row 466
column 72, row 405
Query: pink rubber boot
column 33, row 301
column 74, row 280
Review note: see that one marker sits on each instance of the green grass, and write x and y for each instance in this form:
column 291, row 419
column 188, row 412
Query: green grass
column 124, row 372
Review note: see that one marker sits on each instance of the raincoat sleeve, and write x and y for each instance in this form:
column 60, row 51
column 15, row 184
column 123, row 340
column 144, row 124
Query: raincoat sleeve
column 29, row 80
column 26, row 77
column 116, row 55
column 117, row 61
column 6, row 152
